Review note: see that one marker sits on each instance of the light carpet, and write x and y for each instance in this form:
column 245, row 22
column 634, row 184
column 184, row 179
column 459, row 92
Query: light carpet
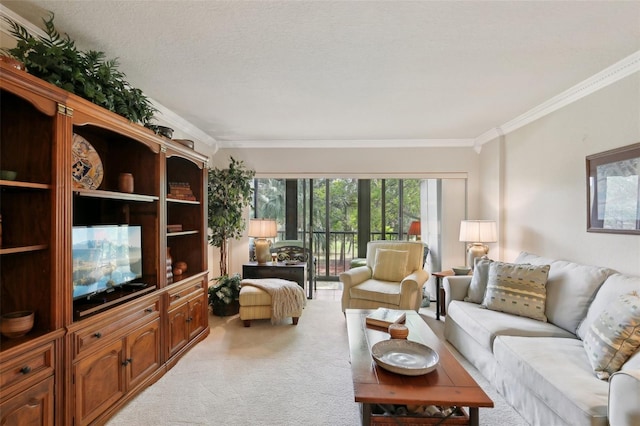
column 272, row 375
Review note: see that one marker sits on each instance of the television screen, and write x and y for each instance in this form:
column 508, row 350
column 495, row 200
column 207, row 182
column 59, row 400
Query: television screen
column 105, row 257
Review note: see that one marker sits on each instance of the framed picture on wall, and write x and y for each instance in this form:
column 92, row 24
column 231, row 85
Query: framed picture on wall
column 613, row 191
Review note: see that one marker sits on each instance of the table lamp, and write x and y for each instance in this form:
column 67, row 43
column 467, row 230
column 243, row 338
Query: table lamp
column 476, row 233
column 260, row 229
column 414, row 229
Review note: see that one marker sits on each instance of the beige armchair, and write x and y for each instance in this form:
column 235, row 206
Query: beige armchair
column 393, row 277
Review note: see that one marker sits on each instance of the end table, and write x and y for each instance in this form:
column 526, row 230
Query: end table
column 440, row 296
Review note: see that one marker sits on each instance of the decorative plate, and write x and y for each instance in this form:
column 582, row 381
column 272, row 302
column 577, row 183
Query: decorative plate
column 87, row 167
column 405, row 357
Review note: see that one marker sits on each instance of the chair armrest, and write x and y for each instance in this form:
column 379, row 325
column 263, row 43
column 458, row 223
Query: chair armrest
column 624, row 394
column 411, row 289
column 355, row 276
column 455, row 288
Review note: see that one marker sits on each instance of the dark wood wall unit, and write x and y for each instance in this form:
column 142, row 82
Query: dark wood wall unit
column 84, row 359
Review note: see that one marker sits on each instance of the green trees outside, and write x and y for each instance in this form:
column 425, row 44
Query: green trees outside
column 401, row 200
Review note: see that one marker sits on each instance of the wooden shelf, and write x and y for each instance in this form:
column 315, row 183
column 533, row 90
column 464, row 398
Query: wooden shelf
column 177, row 234
column 23, row 185
column 23, row 249
column 176, row 200
column 113, row 195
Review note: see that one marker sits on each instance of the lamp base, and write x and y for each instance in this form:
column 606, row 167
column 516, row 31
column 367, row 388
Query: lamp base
column 475, row 250
column 263, row 254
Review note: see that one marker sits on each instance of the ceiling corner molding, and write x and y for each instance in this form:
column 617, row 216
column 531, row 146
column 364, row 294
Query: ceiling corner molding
column 5, row 12
column 606, row 77
column 173, row 120
column 350, row 143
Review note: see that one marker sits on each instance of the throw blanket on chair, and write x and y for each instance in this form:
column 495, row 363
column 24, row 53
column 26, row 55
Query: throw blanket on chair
column 287, row 297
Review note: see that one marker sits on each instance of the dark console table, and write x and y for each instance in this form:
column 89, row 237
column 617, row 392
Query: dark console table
column 292, row 272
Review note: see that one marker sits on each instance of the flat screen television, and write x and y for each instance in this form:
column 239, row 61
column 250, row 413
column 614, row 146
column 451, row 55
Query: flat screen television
column 105, row 257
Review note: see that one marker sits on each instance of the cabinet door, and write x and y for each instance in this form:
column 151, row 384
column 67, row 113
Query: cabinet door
column 178, row 328
column 99, row 382
column 34, row 406
column 143, row 353
column 198, row 319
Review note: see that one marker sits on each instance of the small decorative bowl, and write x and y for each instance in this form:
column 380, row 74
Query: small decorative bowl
column 16, row 324
column 461, row 270
column 167, row 132
column 398, row 331
column 186, row 142
column 8, row 174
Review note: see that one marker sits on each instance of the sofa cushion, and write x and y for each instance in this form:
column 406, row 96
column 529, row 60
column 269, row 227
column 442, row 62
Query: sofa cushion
column 479, row 280
column 390, row 265
column 557, row 372
column 517, row 289
column 614, row 336
column 612, row 288
column 484, row 325
column 570, row 289
column 377, row 291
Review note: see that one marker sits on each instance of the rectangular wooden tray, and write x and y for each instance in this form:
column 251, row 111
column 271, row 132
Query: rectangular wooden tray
column 459, row 417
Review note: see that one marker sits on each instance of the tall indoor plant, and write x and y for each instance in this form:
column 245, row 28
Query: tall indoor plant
column 229, row 193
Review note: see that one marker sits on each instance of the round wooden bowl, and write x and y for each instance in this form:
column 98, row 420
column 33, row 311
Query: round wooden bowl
column 398, row 331
column 16, row 324
column 181, row 265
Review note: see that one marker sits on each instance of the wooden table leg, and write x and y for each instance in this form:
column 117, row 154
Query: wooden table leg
column 438, row 285
column 366, row 414
column 474, row 416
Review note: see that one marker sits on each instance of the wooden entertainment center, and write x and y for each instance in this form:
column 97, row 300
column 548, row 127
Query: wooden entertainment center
column 85, row 358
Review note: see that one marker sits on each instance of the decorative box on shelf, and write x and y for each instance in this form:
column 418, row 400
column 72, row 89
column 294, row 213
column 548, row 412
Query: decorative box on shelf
column 180, row 191
column 174, row 228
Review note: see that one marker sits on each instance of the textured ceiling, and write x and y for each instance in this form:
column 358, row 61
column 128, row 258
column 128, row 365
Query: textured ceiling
column 350, row 71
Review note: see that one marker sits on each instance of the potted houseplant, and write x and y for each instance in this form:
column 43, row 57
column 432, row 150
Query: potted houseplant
column 229, row 193
column 224, row 295
column 88, row 74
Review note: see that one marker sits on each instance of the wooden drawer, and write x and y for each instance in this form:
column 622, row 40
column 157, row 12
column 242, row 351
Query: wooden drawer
column 91, row 336
column 182, row 293
column 33, row 365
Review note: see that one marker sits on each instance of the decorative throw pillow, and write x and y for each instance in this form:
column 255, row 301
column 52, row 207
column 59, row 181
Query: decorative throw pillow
column 390, row 265
column 517, row 288
column 479, row 280
column 614, row 336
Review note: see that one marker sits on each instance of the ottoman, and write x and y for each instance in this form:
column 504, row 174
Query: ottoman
column 255, row 303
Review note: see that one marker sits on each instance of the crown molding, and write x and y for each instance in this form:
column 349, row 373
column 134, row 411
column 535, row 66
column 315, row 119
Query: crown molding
column 349, row 143
column 6, row 28
column 606, row 77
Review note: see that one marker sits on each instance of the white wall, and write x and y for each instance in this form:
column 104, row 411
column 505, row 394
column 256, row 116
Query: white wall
column 544, row 179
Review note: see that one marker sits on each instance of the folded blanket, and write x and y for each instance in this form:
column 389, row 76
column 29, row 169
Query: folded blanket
column 287, row 297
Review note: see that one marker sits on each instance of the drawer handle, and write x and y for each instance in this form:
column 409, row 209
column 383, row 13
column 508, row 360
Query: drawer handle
column 25, row 370
column 97, row 335
column 189, row 319
column 176, row 296
column 149, row 310
column 127, row 361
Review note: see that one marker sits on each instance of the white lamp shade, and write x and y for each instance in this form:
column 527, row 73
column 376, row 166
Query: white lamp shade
column 263, row 228
column 478, row 231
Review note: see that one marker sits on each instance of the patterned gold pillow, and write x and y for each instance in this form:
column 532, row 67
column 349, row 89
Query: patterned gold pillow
column 517, row 288
column 614, row 336
column 390, row 265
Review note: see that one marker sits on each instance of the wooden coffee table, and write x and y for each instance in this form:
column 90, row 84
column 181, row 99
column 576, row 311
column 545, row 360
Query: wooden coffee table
column 448, row 385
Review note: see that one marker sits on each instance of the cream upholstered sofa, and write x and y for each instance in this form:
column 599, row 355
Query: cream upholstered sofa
column 543, row 369
column 393, row 277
